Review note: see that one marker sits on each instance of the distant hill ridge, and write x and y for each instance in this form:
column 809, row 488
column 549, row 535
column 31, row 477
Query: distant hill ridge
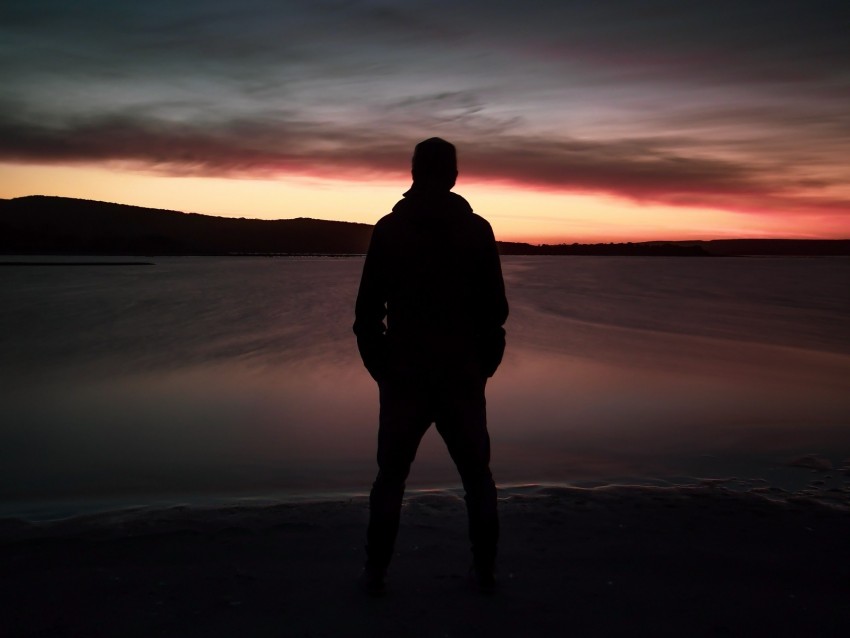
column 41, row 224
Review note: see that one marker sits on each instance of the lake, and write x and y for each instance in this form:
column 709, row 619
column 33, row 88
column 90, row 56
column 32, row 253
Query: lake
column 238, row 377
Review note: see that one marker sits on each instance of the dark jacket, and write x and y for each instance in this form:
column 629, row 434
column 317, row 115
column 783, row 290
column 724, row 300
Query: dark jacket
column 433, row 272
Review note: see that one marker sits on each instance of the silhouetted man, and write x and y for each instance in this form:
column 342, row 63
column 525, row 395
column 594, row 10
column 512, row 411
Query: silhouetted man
column 433, row 272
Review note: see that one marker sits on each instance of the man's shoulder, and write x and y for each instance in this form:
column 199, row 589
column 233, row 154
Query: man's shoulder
column 469, row 215
column 479, row 221
column 386, row 219
column 452, row 209
column 476, row 225
column 386, row 222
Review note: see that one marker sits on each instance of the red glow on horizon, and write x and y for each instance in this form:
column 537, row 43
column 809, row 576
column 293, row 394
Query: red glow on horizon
column 534, row 214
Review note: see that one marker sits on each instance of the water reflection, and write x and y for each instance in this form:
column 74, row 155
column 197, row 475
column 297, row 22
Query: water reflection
column 242, row 376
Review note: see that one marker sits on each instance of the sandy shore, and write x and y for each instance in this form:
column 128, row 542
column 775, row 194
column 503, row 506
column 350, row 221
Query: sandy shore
column 616, row 561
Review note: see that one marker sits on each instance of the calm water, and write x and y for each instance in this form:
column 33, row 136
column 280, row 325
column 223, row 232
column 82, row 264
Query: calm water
column 240, row 376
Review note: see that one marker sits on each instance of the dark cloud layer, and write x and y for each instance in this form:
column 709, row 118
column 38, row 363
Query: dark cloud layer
column 741, row 105
column 640, row 169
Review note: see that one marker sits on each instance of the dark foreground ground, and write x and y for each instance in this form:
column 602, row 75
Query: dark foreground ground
column 683, row 562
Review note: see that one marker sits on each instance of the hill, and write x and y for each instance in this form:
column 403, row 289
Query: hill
column 59, row 225
column 40, row 224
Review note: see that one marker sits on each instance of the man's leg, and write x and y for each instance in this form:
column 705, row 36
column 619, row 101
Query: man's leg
column 404, row 419
column 462, row 422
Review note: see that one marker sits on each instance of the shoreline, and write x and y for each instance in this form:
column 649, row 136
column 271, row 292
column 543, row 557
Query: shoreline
column 601, row 561
column 810, row 477
column 827, row 487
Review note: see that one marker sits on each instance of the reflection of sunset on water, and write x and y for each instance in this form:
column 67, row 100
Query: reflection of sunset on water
column 241, row 376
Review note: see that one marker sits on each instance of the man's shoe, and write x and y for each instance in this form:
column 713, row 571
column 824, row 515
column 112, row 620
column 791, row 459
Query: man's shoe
column 484, row 578
column 373, row 580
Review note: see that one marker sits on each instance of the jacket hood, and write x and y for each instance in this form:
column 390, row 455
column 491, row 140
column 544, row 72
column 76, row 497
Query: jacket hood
column 419, row 201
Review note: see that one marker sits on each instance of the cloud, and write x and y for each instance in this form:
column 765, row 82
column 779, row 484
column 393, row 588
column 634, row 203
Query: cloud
column 644, row 170
column 737, row 105
column 656, row 42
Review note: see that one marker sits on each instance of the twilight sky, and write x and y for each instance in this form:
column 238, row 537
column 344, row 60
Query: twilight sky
column 574, row 120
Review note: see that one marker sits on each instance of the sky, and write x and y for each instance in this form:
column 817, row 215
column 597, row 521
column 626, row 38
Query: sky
column 610, row 120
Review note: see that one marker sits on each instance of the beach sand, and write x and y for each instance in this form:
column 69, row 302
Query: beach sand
column 609, row 561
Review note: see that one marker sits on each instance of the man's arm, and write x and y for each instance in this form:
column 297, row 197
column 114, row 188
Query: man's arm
column 371, row 307
column 496, row 309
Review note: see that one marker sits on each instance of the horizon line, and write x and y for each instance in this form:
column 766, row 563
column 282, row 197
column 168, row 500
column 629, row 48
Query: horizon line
column 552, row 242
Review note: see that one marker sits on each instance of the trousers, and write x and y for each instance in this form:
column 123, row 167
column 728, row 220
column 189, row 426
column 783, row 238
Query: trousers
column 409, row 405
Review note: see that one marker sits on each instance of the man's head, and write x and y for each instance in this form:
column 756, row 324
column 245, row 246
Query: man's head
column 434, row 164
